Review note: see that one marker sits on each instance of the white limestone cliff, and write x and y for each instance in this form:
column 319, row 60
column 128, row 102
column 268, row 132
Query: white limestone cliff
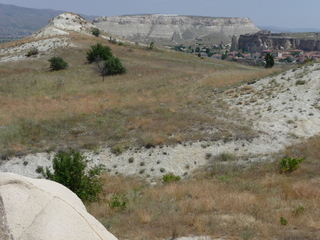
column 174, row 28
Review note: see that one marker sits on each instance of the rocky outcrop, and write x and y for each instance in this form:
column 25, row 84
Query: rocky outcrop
column 279, row 41
column 170, row 29
column 61, row 24
column 33, row 209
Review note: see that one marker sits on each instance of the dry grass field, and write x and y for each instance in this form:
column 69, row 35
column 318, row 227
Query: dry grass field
column 220, row 201
column 164, row 98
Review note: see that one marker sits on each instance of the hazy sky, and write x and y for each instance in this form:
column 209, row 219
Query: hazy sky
column 282, row 13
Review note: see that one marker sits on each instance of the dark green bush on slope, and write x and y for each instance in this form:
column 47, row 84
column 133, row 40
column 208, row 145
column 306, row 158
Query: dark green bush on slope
column 69, row 169
column 96, row 32
column 114, row 66
column 57, row 63
column 99, row 52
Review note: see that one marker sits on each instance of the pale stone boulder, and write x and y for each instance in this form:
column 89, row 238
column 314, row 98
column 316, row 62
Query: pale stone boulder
column 34, row 209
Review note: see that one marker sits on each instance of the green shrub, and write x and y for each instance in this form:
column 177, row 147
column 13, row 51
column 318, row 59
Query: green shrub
column 117, row 203
column 298, row 210
column 300, row 82
column 57, row 63
column 288, row 165
column 283, row 221
column 69, row 169
column 114, row 66
column 170, row 177
column 96, row 32
column 151, row 46
column 117, row 149
column 99, row 52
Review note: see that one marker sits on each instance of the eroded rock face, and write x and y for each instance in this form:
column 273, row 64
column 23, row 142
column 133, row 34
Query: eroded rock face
column 61, row 24
column 33, row 209
column 168, row 29
column 279, row 41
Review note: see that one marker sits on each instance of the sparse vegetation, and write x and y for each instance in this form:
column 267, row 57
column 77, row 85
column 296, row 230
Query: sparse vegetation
column 149, row 106
column 170, row 178
column 32, row 52
column 221, row 202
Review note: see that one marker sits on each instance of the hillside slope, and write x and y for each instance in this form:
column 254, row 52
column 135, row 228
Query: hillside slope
column 166, row 98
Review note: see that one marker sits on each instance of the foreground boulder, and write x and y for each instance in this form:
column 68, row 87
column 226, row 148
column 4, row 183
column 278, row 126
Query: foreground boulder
column 32, row 209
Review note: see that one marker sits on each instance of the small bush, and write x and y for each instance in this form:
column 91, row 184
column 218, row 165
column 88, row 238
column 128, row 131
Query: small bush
column 170, row 177
column 298, row 210
column 283, row 221
column 131, row 159
column 117, row 150
column 69, row 169
column 57, row 63
column 300, row 82
column 288, row 165
column 32, row 52
column 116, row 203
column 151, row 46
column 96, row 32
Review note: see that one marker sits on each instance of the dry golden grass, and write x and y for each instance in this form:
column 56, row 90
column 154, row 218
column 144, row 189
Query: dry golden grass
column 242, row 204
column 165, row 97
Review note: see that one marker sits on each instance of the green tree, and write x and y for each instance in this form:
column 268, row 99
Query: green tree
column 69, row 169
column 99, row 52
column 114, row 66
column 96, row 32
column 57, row 63
column 269, row 60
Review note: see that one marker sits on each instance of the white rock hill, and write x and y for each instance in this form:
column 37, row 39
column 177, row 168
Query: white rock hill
column 34, row 209
column 65, row 22
column 55, row 34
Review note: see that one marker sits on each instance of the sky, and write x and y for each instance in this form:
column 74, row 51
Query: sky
column 280, row 13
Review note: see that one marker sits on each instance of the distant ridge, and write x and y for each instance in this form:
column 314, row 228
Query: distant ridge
column 175, row 29
column 275, row 29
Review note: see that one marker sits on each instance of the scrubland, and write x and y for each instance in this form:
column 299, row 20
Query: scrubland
column 165, row 98
column 221, row 200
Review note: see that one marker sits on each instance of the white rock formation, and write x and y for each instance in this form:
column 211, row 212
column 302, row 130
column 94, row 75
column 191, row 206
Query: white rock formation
column 173, row 28
column 65, row 22
column 34, row 209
